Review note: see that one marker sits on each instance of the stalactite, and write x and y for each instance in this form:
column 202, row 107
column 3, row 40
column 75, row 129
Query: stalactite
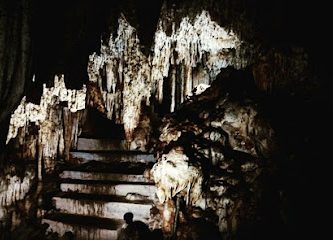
column 71, row 130
column 28, row 112
column 127, row 76
column 14, row 188
column 161, row 60
column 191, row 45
column 49, row 117
column 50, row 139
column 231, row 141
column 173, row 175
column 201, row 48
column 173, row 90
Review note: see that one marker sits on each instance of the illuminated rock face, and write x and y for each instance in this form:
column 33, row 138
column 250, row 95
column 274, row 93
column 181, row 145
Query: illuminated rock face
column 27, row 113
column 200, row 48
column 128, row 79
column 56, row 129
column 127, row 76
column 231, row 142
column 13, row 189
column 175, row 175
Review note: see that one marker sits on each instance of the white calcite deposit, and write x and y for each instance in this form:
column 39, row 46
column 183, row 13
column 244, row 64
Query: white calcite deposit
column 49, row 116
column 27, row 113
column 201, row 42
column 128, row 78
column 173, row 175
column 13, row 188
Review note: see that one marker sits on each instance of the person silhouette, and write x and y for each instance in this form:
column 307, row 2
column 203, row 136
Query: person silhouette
column 133, row 230
column 128, row 217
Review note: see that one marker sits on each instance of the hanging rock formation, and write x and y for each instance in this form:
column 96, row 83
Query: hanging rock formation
column 55, row 134
column 13, row 188
column 123, row 74
column 231, row 142
column 227, row 143
column 174, row 175
column 193, row 54
column 198, row 48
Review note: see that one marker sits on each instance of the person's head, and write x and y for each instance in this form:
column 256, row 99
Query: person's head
column 128, row 217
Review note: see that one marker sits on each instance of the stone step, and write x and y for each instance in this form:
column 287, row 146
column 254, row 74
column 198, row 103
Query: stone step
column 123, row 167
column 83, row 227
column 103, row 176
column 108, row 188
column 103, row 206
column 81, row 157
column 100, row 144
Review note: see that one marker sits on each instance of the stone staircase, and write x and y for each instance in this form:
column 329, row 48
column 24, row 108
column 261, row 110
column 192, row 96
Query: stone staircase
column 106, row 182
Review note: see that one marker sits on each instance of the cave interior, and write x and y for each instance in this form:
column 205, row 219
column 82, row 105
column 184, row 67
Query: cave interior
column 203, row 118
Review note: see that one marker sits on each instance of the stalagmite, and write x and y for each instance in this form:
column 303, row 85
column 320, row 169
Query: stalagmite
column 27, row 113
column 48, row 116
column 127, row 76
column 174, row 174
column 14, row 188
column 230, row 140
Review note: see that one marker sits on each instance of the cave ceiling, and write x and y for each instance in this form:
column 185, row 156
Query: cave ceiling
column 65, row 33
column 60, row 35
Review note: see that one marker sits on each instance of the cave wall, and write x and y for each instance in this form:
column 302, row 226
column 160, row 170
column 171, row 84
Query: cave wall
column 15, row 69
column 39, row 137
column 15, row 184
column 55, row 122
column 16, row 58
column 271, row 41
column 230, row 151
column 190, row 46
column 74, row 30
